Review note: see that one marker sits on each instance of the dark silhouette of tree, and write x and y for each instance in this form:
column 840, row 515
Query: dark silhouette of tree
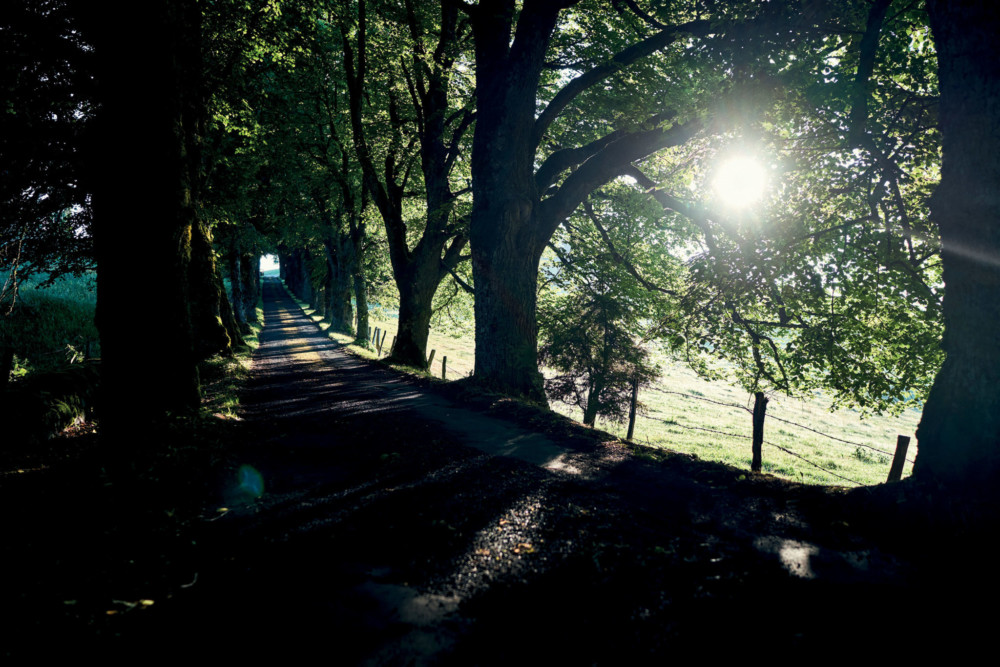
column 959, row 432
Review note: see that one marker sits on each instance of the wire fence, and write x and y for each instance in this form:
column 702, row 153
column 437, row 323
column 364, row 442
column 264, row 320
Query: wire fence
column 742, row 436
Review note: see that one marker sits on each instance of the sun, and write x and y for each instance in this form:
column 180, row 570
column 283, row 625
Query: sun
column 739, row 181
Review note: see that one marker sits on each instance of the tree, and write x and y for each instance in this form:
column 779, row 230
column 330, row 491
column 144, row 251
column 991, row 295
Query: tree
column 149, row 89
column 605, row 114
column 959, row 432
column 429, row 122
column 596, row 310
column 47, row 87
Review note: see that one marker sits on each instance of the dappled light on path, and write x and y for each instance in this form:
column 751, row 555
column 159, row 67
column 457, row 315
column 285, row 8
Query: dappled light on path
column 330, row 382
column 401, row 526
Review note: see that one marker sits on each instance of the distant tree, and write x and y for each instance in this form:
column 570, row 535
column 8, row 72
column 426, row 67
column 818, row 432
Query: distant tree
column 410, row 113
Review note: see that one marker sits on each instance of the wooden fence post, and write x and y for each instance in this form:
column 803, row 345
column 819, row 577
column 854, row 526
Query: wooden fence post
column 393, row 347
column 444, row 367
column 896, row 471
column 430, row 359
column 381, row 341
column 375, row 336
column 631, row 410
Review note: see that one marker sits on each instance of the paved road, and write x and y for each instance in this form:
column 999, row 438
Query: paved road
column 333, row 383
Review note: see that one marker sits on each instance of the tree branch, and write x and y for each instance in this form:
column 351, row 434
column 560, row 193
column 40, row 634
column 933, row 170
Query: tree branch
column 617, row 256
column 620, row 60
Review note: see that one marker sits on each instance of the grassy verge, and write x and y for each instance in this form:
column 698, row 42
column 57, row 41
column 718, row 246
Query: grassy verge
column 223, row 377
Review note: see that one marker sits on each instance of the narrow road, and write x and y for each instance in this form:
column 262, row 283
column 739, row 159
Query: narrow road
column 330, row 383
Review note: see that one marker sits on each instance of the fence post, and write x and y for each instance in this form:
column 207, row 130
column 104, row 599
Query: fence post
column 393, row 347
column 444, row 367
column 374, row 339
column 430, row 359
column 896, row 471
column 631, row 410
column 381, row 341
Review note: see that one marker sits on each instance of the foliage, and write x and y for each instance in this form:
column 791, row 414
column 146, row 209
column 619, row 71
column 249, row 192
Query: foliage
column 836, row 272
column 597, row 312
column 46, row 84
column 50, row 325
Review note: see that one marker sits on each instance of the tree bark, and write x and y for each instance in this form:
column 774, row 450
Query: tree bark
column 211, row 334
column 959, row 433
column 249, row 279
column 590, row 411
column 339, row 310
column 238, row 299
column 227, row 317
column 759, row 411
column 361, row 304
column 145, row 212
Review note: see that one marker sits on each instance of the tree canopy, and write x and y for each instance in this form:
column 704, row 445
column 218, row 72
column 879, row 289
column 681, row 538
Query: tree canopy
column 577, row 143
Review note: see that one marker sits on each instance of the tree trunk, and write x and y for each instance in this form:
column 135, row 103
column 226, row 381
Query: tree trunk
column 759, row 410
column 226, row 316
column 416, row 293
column 238, row 299
column 206, row 293
column 505, row 234
column 361, row 305
column 145, row 213
column 506, row 282
column 590, row 411
column 959, row 433
column 632, row 409
column 249, row 279
column 339, row 296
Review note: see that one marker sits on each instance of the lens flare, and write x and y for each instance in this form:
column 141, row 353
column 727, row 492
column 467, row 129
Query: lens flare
column 740, row 182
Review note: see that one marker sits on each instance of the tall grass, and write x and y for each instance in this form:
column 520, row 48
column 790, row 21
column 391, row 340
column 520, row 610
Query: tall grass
column 50, row 325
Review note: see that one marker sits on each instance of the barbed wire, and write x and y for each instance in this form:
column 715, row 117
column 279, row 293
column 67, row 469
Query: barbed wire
column 786, row 421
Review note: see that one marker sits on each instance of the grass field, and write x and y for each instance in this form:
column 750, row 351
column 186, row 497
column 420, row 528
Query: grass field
column 711, row 420
column 50, row 325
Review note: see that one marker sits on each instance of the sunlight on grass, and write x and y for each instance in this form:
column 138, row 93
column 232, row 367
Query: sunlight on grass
column 711, row 420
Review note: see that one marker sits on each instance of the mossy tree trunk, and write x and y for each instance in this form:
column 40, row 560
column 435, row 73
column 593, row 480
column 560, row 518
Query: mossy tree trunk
column 237, row 288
